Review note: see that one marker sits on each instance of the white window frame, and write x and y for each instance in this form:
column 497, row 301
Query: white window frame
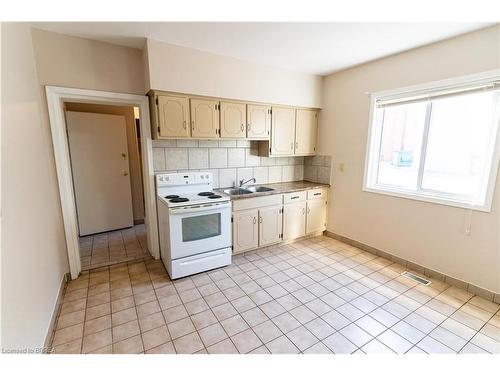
column 373, row 146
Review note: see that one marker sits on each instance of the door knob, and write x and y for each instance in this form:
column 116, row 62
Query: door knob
column 124, row 155
column 125, row 173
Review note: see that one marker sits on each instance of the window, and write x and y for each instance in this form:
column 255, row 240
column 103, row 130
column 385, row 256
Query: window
column 436, row 144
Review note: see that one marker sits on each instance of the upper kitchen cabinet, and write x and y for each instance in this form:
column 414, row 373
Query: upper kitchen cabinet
column 173, row 116
column 282, row 131
column 204, row 118
column 258, row 121
column 233, row 119
column 293, row 133
column 306, row 128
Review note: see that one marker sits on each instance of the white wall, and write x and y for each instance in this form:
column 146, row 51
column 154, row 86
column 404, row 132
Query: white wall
column 429, row 234
column 34, row 256
column 186, row 70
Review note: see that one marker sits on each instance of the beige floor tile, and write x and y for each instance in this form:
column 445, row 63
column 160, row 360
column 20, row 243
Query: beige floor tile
column 147, row 323
column 122, row 304
column 302, row 338
column 203, row 319
column 196, row 306
column 155, row 337
column 72, row 347
column 73, row 306
column 223, row 347
column 370, row 325
column 181, row 327
column 254, row 316
column 431, row 346
column 167, row 348
column 224, row 311
column 96, row 340
column 188, row 344
column 70, row 319
column 267, row 331
column 108, row 349
column 234, row 325
column 356, row 335
column 125, row 331
column 123, row 316
column 132, row 345
column 175, row 313
column 212, row 334
column 96, row 325
column 65, row 335
column 338, row 344
column 246, row 341
column 145, row 297
column 282, row 345
column 409, row 332
column 448, row 338
column 318, row 348
column 486, row 343
column 98, row 311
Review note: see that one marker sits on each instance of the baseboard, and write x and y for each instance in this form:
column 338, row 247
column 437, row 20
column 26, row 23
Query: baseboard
column 55, row 313
column 484, row 293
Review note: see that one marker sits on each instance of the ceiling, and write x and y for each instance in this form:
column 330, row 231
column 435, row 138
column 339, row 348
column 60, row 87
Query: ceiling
column 317, row 48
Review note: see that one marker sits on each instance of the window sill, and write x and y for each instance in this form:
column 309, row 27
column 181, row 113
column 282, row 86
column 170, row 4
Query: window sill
column 428, row 199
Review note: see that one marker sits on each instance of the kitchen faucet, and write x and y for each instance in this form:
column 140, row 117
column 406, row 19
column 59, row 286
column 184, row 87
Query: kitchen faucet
column 243, row 182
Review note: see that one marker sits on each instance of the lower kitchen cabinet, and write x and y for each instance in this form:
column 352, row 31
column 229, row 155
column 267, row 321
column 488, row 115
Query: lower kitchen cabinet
column 245, row 230
column 294, row 220
column 266, row 220
column 270, row 225
column 316, row 215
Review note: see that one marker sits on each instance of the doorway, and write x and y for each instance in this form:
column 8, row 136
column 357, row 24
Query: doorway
column 107, row 181
column 142, row 235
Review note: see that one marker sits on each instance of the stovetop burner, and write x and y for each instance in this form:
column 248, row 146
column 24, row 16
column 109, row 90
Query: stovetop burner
column 171, row 196
column 178, row 200
column 215, row 196
column 206, row 194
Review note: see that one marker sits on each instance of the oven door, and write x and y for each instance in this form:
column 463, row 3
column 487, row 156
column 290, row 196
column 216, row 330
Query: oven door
column 199, row 229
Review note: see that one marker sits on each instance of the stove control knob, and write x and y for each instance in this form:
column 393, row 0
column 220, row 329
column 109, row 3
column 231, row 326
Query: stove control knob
column 161, row 178
column 202, row 176
column 206, row 176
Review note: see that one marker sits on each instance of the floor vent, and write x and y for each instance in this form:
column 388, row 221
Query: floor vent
column 416, row 278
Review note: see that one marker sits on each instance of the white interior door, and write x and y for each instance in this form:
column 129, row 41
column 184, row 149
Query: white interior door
column 101, row 178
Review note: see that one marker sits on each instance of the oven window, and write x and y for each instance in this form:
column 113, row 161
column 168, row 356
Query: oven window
column 200, row 227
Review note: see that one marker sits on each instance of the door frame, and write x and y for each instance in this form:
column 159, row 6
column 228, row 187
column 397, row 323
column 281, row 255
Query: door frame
column 56, row 97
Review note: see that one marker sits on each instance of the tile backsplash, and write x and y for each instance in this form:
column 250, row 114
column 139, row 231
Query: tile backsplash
column 229, row 161
column 318, row 168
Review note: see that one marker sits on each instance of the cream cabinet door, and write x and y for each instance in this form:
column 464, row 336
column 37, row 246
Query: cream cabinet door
column 245, row 230
column 258, row 121
column 294, row 220
column 270, row 225
column 173, row 116
column 305, row 132
column 204, row 118
column 233, row 120
column 282, row 131
column 316, row 216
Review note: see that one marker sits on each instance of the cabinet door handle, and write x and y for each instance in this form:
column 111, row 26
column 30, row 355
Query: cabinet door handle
column 291, row 145
column 303, row 211
column 317, row 194
column 296, row 145
column 242, row 127
column 184, row 124
column 294, row 197
column 192, row 124
column 254, row 220
column 248, row 126
column 308, row 210
column 260, row 220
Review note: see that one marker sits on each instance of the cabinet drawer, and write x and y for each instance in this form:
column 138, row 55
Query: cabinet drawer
column 257, row 202
column 298, row 196
column 319, row 193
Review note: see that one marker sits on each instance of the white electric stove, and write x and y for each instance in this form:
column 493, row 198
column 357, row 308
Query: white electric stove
column 194, row 223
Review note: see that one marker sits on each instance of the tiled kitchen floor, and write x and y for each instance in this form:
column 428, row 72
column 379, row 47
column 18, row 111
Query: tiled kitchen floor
column 113, row 247
column 314, row 296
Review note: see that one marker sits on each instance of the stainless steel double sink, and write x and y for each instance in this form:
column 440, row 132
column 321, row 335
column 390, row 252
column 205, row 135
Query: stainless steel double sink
column 247, row 190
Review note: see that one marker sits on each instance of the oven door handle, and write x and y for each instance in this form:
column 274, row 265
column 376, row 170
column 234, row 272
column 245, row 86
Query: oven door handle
column 210, row 207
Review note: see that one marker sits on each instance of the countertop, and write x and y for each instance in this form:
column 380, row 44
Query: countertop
column 279, row 188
